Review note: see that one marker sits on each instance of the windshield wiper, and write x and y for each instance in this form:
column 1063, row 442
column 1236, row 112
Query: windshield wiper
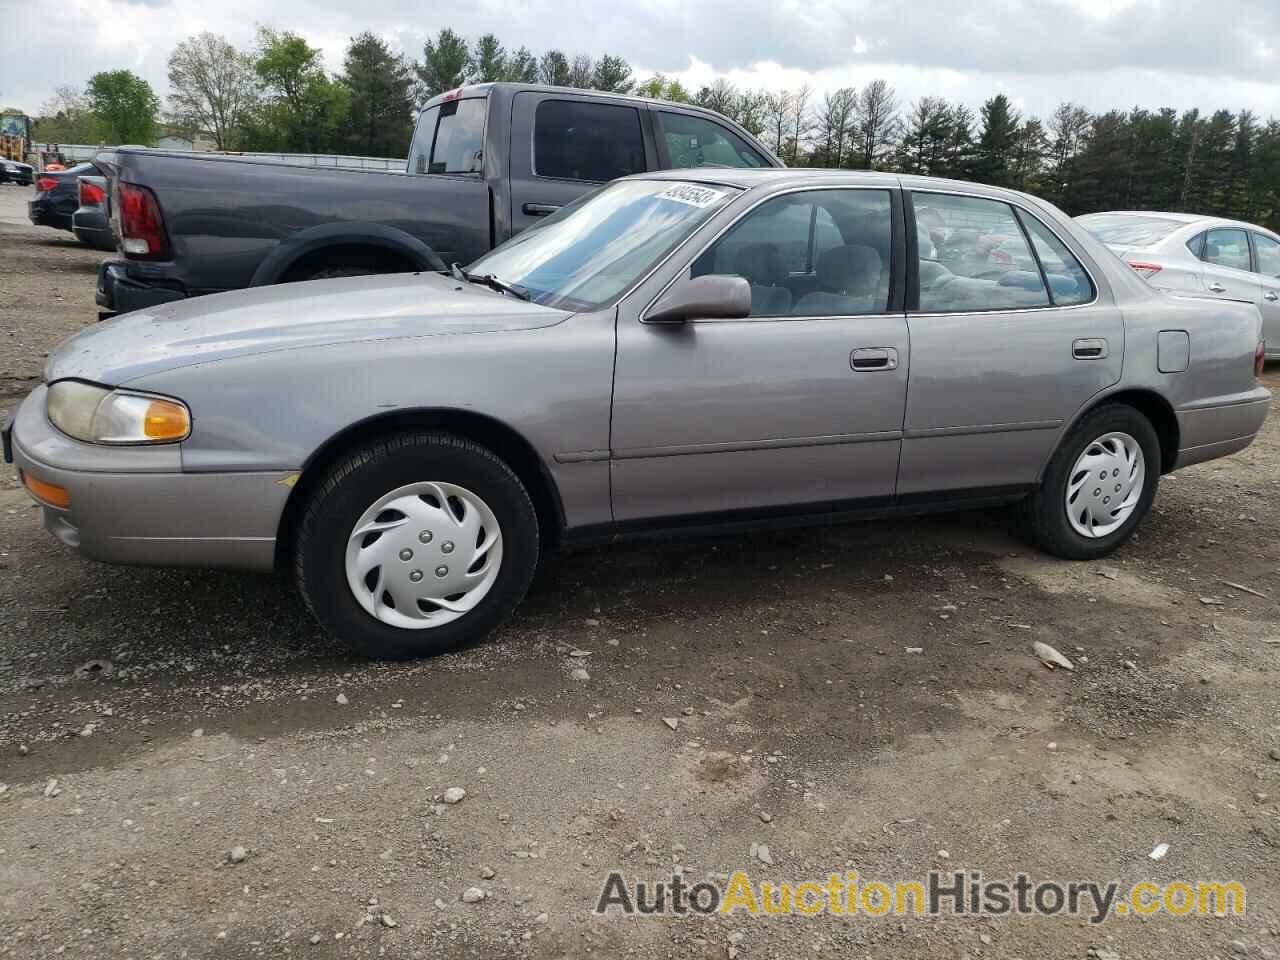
column 490, row 281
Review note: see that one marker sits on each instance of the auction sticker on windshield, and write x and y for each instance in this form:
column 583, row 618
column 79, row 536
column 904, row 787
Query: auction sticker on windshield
column 694, row 196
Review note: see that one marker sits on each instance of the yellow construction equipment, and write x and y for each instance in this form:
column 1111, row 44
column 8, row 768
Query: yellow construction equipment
column 15, row 136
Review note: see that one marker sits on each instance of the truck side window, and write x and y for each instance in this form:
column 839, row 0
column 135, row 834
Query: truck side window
column 450, row 138
column 699, row 142
column 579, row 140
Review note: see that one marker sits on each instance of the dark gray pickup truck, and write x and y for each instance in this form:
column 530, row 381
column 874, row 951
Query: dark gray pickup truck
column 486, row 162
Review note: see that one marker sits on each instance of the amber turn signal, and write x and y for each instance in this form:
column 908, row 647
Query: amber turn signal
column 49, row 494
column 165, row 420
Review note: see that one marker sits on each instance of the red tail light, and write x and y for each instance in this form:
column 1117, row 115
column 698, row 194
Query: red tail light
column 1260, row 358
column 45, row 184
column 1145, row 270
column 142, row 233
column 1001, row 256
column 91, row 195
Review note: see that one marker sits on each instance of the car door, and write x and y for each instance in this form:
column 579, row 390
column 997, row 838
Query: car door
column 1228, row 266
column 1004, row 349
column 1266, row 255
column 563, row 147
column 798, row 406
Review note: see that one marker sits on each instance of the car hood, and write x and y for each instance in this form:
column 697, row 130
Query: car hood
column 288, row 317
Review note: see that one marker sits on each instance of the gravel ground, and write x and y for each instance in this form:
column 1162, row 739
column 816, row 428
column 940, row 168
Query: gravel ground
column 152, row 722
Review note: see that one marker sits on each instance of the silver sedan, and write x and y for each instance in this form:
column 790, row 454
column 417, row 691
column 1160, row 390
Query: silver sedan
column 1199, row 255
column 687, row 349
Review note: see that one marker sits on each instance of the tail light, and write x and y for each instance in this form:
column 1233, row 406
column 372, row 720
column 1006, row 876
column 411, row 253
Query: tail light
column 142, row 233
column 1145, row 270
column 1001, row 256
column 1260, row 358
column 91, row 195
column 45, row 184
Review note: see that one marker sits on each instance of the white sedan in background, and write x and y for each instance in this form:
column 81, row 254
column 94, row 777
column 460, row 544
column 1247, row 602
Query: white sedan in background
column 1202, row 255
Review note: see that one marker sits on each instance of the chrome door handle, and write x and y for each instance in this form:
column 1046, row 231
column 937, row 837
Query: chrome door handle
column 1089, row 349
column 540, row 209
column 1216, row 287
column 870, row 359
column 1272, row 295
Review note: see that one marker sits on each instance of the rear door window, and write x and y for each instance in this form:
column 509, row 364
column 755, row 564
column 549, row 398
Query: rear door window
column 699, row 142
column 579, row 140
column 1069, row 283
column 1227, row 248
column 450, row 138
column 1267, row 251
column 973, row 256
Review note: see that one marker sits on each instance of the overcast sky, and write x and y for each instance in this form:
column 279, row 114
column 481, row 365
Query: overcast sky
column 1101, row 53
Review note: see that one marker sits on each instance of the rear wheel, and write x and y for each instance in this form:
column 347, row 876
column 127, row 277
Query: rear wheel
column 415, row 545
column 1098, row 486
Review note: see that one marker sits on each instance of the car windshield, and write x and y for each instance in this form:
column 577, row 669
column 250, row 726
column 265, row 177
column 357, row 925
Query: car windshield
column 1126, row 230
column 591, row 252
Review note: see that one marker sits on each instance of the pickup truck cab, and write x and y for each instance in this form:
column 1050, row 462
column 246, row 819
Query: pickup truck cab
column 485, row 162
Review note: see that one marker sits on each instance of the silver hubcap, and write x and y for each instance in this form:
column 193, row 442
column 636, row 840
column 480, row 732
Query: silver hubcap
column 423, row 555
column 1105, row 485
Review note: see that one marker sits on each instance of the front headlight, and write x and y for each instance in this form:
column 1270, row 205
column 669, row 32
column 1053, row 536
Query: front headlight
column 96, row 414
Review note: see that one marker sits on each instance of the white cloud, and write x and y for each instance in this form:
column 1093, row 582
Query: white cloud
column 1102, row 53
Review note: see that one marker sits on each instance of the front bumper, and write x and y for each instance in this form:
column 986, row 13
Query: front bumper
column 134, row 505
column 120, row 293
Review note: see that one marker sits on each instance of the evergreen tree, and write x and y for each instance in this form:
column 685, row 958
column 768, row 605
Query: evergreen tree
column 994, row 156
column 446, row 64
column 380, row 88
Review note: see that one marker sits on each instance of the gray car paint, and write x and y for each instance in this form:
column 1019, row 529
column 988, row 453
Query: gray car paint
column 706, row 416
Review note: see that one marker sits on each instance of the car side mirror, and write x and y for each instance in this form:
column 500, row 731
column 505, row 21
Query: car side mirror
column 714, row 296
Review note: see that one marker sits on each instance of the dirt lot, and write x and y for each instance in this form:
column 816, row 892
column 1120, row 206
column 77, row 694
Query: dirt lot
column 219, row 717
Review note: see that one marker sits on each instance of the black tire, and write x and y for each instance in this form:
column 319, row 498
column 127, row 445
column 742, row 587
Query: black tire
column 373, row 470
column 1043, row 514
column 330, row 273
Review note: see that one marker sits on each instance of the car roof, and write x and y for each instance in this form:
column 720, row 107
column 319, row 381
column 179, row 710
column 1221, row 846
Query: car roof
column 748, row 178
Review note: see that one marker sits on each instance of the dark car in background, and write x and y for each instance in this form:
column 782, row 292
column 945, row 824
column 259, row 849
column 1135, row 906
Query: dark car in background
column 91, row 223
column 57, row 196
column 486, row 161
column 12, row 171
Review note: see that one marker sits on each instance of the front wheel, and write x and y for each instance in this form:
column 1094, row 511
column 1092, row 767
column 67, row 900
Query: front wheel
column 1098, row 486
column 416, row 544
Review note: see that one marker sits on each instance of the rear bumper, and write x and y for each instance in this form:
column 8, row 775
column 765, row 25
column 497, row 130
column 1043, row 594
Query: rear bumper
column 42, row 215
column 155, row 515
column 1218, row 430
column 120, row 293
column 91, row 227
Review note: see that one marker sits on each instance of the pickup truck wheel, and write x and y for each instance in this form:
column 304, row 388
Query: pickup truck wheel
column 416, row 544
column 1098, row 486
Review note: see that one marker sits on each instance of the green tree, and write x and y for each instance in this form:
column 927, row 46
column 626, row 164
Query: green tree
column 303, row 111
column 446, row 64
column 214, row 87
column 554, row 69
column 659, row 87
column 65, row 118
column 124, row 107
column 994, row 156
column 522, row 67
column 489, row 62
column 612, row 75
column 380, row 90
